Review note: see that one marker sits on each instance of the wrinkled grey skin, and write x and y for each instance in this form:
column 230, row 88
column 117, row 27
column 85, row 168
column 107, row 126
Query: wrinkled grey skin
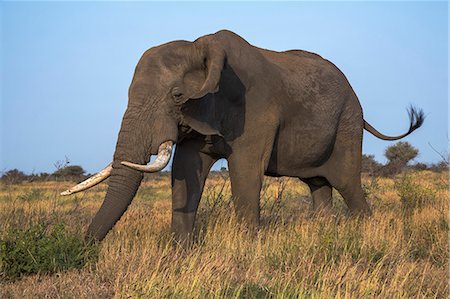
column 268, row 113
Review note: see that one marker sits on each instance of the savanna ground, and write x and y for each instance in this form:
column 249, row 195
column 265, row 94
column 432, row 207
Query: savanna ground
column 401, row 251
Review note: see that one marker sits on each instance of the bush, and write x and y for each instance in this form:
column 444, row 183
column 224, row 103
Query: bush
column 419, row 166
column 370, row 165
column 439, row 167
column 39, row 249
column 40, row 177
column 398, row 155
column 73, row 173
column 14, row 176
column 412, row 197
column 402, row 151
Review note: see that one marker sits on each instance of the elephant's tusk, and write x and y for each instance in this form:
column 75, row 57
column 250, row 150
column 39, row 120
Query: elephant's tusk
column 161, row 161
column 90, row 182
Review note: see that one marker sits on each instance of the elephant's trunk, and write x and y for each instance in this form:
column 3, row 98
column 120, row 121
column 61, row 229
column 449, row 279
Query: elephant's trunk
column 124, row 182
column 123, row 185
column 140, row 135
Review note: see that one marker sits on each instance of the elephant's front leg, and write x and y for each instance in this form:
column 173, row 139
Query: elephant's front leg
column 246, row 176
column 189, row 171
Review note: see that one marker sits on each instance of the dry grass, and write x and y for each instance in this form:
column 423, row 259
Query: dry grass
column 402, row 251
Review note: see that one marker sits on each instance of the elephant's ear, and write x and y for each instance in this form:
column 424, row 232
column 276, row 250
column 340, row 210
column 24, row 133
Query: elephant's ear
column 213, row 56
column 201, row 115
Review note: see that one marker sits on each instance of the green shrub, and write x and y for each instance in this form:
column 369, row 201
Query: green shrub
column 33, row 194
column 413, row 196
column 40, row 249
column 421, row 239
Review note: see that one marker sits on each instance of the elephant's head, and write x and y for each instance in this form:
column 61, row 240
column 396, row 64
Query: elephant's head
column 166, row 79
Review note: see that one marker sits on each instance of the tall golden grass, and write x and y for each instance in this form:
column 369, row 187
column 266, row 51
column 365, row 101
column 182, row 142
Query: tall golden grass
column 399, row 252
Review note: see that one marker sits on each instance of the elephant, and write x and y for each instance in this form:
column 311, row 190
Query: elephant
column 290, row 113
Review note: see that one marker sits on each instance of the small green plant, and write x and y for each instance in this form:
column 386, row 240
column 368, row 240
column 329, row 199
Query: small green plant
column 33, row 194
column 41, row 249
column 371, row 187
column 413, row 196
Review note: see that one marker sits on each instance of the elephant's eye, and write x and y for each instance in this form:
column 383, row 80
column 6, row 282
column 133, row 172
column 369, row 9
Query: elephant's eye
column 177, row 94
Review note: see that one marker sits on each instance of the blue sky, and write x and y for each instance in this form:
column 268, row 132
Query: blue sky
column 66, row 67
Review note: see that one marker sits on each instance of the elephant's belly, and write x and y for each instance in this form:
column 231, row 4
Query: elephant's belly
column 300, row 150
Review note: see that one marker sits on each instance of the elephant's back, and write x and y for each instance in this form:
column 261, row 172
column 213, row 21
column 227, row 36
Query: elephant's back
column 303, row 53
column 317, row 95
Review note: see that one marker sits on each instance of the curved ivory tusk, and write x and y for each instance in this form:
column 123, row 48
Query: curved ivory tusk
column 90, row 182
column 161, row 161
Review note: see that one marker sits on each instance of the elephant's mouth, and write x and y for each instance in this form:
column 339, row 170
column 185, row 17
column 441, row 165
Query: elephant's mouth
column 161, row 161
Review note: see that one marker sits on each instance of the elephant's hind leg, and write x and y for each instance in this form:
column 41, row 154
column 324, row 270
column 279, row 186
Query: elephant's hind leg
column 344, row 169
column 190, row 169
column 321, row 192
column 346, row 178
column 354, row 198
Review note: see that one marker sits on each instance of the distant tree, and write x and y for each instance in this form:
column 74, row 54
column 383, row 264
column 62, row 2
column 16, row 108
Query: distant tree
column 419, row 166
column 223, row 172
column 398, row 155
column 440, row 166
column 39, row 177
column 402, row 152
column 370, row 165
column 14, row 176
column 73, row 172
column 43, row 176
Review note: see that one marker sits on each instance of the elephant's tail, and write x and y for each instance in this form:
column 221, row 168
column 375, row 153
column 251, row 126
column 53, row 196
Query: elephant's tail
column 416, row 118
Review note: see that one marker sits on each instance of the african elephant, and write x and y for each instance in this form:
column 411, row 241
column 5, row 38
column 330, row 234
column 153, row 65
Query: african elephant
column 269, row 113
